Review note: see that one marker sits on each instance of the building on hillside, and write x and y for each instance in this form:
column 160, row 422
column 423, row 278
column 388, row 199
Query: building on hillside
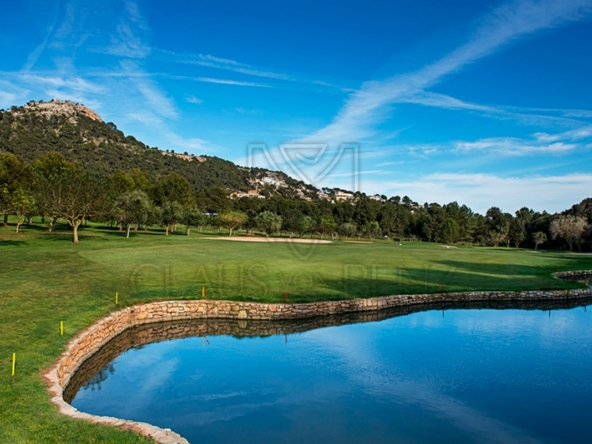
column 342, row 196
column 251, row 194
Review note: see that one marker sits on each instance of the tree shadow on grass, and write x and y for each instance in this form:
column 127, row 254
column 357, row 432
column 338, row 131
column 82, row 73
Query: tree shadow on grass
column 319, row 287
column 13, row 242
column 521, row 270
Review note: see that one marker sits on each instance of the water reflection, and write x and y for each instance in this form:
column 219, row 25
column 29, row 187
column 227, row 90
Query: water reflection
column 95, row 382
column 95, row 370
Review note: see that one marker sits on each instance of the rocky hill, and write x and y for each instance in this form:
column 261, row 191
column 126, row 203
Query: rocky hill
column 56, row 107
column 81, row 135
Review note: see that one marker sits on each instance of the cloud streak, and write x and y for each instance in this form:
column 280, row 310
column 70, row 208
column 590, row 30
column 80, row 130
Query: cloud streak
column 370, row 105
column 224, row 64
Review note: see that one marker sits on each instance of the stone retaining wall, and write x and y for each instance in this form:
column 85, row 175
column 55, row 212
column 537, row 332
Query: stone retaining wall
column 89, row 341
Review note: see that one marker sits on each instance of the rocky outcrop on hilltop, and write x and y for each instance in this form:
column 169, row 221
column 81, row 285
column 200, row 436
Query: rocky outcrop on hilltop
column 59, row 107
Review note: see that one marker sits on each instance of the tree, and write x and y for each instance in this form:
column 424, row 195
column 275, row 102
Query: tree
column 306, row 225
column 587, row 235
column 171, row 214
column 120, row 182
column 63, row 189
column 14, row 176
column 132, row 207
column 450, row 231
column 21, row 203
column 50, row 174
column 570, row 228
column 192, row 217
column 517, row 231
column 81, row 196
column 539, row 238
column 173, row 188
column 233, row 219
column 498, row 225
column 291, row 221
column 141, row 181
column 327, row 225
column 394, row 220
column 269, row 222
column 347, row 229
column 371, row 229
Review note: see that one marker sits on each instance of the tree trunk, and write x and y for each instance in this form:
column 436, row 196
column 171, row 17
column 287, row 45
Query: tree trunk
column 18, row 223
column 187, row 231
column 570, row 246
column 75, row 232
column 136, row 227
column 120, row 226
column 230, row 232
column 166, row 230
column 127, row 230
column 52, row 223
column 5, row 220
column 29, row 220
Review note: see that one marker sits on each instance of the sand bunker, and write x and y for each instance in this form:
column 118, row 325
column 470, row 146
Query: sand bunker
column 270, row 239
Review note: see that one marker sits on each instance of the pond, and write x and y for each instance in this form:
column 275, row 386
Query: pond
column 473, row 373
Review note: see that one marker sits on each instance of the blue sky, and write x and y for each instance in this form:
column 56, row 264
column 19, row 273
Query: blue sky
column 487, row 103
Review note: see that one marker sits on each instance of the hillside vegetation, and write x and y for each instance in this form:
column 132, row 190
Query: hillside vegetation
column 55, row 152
column 100, row 146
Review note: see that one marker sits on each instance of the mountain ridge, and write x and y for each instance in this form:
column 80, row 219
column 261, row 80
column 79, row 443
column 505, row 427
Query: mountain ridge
column 81, row 135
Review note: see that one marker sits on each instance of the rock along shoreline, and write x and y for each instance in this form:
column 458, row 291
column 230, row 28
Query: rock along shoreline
column 90, row 340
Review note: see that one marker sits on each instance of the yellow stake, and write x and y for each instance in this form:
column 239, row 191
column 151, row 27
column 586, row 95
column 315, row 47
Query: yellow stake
column 203, row 292
column 116, row 298
column 13, row 364
column 61, row 328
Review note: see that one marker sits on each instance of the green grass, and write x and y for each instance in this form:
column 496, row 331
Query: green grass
column 44, row 279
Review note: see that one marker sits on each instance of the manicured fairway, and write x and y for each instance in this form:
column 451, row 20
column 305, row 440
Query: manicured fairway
column 44, row 279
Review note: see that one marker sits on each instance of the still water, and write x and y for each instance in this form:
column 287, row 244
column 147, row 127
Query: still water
column 446, row 376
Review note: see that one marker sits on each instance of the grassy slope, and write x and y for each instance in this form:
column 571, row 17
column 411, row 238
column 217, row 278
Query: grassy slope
column 44, row 279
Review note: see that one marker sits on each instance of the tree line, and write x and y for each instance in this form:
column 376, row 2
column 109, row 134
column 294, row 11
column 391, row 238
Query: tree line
column 55, row 188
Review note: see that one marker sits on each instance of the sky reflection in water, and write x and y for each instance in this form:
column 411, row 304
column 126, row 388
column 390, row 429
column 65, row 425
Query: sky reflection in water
column 495, row 376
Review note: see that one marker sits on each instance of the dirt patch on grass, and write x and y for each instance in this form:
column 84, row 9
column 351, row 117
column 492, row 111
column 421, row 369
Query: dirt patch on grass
column 270, row 239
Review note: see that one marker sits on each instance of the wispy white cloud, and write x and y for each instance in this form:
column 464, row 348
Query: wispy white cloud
column 198, row 146
column 194, row 100
column 224, row 64
column 130, row 37
column 371, row 104
column 66, row 26
column 573, row 135
column 11, row 94
column 156, row 99
column 482, row 191
column 514, row 147
column 400, row 162
column 146, row 117
column 73, row 83
column 524, row 115
column 444, row 101
column 36, row 53
column 229, row 82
